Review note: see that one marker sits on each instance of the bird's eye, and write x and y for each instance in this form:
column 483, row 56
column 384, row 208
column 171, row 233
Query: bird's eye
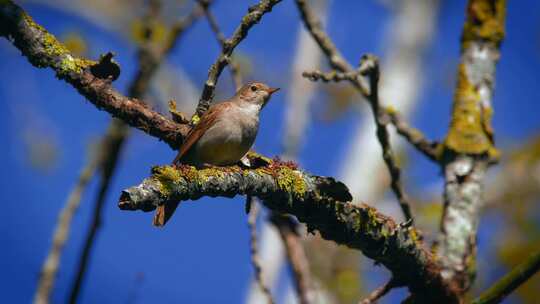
column 253, row 88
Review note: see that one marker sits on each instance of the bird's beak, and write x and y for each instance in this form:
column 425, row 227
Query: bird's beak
column 272, row 90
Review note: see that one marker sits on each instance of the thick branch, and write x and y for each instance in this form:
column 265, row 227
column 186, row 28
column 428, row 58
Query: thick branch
column 370, row 91
column 469, row 147
column 320, row 202
column 519, row 275
column 91, row 79
column 254, row 15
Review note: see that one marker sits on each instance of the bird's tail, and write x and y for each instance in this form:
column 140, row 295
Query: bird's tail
column 164, row 213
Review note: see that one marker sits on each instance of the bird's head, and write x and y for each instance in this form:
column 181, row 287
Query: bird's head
column 256, row 93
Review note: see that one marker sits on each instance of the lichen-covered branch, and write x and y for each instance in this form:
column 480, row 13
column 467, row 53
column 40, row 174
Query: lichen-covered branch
column 254, row 15
column 517, row 276
column 369, row 90
column 322, row 203
column 92, row 79
column 469, row 146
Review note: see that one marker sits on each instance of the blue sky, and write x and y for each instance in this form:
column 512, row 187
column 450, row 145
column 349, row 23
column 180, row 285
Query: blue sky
column 202, row 256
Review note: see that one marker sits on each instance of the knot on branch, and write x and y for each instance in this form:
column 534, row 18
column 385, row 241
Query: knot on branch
column 106, row 67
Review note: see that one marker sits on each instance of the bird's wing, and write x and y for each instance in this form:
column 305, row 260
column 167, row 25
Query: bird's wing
column 206, row 121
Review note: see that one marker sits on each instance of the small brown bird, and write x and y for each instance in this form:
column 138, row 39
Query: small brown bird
column 224, row 134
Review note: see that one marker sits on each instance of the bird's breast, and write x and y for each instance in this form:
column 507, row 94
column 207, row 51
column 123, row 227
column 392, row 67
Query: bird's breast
column 229, row 138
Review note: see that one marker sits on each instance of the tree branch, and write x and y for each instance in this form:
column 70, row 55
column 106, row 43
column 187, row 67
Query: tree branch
column 254, row 15
column 91, row 79
column 379, row 292
column 468, row 147
column 511, row 281
column 369, row 91
column 320, row 202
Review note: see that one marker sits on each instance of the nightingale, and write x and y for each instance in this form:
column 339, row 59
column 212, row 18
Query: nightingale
column 224, row 134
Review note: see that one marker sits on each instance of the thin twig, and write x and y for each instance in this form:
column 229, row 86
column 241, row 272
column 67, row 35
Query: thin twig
column 378, row 293
column 370, row 91
column 296, row 255
column 369, row 66
column 255, row 259
column 112, row 145
column 331, row 76
column 234, row 68
column 511, row 281
column 414, row 136
column 61, row 232
column 254, row 15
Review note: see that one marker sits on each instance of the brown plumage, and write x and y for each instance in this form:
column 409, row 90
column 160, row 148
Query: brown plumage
column 224, row 134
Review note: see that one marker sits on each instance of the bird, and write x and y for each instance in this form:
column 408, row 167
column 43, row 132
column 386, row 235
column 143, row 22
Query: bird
column 223, row 135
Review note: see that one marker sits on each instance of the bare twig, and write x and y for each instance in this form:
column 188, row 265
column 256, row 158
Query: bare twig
column 378, row 293
column 369, row 66
column 254, row 15
column 253, row 248
column 511, row 281
column 296, row 256
column 468, row 146
column 370, row 91
column 61, row 232
column 331, row 76
column 234, row 68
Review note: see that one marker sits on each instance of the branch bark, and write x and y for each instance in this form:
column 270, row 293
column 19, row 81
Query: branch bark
column 469, row 146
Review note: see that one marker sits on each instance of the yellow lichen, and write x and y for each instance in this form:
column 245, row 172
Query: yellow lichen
column 470, row 121
column 167, row 177
column 485, row 21
column 291, row 181
column 54, row 48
